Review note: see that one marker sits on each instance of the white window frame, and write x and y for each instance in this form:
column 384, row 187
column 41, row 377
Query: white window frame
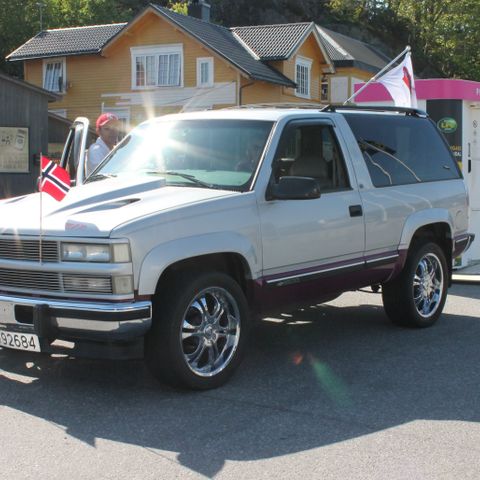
column 155, row 51
column 54, row 60
column 306, row 65
column 208, row 61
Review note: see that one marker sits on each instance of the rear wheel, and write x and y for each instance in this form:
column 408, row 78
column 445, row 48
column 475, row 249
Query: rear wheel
column 417, row 296
column 199, row 331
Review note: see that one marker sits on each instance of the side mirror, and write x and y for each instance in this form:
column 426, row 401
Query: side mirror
column 294, row 188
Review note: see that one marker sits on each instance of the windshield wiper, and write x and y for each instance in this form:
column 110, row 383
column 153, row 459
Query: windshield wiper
column 187, row 176
column 100, row 176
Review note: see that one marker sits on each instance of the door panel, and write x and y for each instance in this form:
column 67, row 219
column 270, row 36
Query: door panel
column 299, row 235
column 75, row 151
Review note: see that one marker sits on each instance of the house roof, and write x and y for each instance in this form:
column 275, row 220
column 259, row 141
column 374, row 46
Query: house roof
column 273, row 42
column 349, row 52
column 223, row 42
column 52, row 97
column 247, row 48
column 66, row 41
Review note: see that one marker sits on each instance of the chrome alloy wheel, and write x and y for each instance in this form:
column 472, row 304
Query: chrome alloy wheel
column 210, row 331
column 428, row 285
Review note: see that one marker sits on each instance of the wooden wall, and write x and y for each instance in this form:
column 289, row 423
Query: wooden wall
column 23, row 107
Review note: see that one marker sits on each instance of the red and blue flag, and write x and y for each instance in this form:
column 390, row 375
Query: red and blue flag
column 54, row 180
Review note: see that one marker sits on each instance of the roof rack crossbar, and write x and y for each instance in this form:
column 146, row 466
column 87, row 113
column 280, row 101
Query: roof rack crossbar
column 376, row 108
column 313, row 106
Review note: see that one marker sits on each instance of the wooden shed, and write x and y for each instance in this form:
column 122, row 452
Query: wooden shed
column 23, row 134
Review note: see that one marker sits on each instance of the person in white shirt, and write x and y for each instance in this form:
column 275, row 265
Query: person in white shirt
column 107, row 131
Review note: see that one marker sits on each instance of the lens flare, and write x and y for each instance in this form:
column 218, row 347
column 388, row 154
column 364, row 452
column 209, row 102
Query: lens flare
column 332, row 385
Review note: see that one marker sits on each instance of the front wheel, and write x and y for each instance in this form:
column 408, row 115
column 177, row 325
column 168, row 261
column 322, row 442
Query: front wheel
column 417, row 296
column 199, row 331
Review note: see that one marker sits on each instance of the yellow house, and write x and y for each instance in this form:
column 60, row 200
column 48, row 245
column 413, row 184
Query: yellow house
column 163, row 62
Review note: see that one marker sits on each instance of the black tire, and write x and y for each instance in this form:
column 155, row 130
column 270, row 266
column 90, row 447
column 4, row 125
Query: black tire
column 193, row 347
column 416, row 297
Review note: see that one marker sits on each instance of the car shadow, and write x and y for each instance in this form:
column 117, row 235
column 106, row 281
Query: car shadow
column 311, row 378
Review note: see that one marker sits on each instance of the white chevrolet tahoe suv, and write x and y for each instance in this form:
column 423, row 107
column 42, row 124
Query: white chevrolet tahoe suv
column 195, row 224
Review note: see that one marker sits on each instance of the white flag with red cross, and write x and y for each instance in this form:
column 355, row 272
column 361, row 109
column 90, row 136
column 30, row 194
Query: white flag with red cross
column 400, row 83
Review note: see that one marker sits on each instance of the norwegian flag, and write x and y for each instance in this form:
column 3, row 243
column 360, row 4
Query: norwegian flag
column 55, row 180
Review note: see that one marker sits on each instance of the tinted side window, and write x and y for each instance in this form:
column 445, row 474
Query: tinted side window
column 401, row 149
column 312, row 151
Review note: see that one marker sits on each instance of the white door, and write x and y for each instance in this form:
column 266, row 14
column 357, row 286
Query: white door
column 74, row 154
column 300, row 235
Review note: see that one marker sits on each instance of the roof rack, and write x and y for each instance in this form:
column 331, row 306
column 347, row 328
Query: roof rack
column 377, row 108
column 314, row 106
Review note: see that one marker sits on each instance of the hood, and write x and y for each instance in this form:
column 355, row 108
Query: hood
column 94, row 209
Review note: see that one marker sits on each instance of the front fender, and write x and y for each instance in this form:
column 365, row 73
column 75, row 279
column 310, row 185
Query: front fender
column 166, row 254
column 421, row 219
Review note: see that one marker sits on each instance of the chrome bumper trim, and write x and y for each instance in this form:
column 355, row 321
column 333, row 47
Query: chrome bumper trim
column 75, row 319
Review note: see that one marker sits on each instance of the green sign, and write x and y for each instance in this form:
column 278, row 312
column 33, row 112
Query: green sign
column 447, row 125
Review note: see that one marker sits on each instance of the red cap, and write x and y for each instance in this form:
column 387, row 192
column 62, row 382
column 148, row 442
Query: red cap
column 104, row 118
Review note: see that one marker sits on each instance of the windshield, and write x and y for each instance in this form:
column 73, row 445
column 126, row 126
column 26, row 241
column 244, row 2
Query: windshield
column 202, row 153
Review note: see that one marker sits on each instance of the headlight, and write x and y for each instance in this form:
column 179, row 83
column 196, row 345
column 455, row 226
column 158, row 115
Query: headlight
column 95, row 252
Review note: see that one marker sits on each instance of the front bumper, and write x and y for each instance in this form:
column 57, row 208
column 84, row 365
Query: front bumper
column 75, row 320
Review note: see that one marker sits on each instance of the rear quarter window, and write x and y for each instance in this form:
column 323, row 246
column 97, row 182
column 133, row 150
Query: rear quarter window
column 400, row 149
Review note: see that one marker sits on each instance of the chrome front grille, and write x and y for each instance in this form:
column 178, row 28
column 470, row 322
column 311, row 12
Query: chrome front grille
column 24, row 249
column 28, row 250
column 30, row 280
column 27, row 280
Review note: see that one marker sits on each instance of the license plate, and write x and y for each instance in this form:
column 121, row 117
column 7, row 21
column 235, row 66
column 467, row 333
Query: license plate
column 20, row 341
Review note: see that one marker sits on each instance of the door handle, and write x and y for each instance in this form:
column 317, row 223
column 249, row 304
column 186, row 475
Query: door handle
column 355, row 210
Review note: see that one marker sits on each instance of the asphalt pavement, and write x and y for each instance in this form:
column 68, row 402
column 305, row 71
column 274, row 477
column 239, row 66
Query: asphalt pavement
column 332, row 391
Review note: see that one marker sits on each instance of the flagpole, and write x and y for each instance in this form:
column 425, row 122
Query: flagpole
column 379, row 74
column 41, row 216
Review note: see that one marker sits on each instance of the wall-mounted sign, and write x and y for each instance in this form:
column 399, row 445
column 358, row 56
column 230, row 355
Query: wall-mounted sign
column 447, row 125
column 447, row 114
column 14, row 151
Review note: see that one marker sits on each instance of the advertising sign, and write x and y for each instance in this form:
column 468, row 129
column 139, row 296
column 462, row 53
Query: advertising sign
column 14, row 152
column 447, row 114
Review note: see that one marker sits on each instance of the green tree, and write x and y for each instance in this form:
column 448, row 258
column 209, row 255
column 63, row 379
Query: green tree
column 444, row 35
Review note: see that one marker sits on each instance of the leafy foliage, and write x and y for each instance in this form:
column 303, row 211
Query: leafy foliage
column 444, row 35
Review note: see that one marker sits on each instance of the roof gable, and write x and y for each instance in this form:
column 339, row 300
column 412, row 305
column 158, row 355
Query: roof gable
column 222, row 41
column 279, row 42
column 66, row 41
column 272, row 42
column 349, row 52
column 217, row 39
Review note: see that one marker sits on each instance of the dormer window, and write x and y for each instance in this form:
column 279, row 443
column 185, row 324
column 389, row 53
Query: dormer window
column 157, row 66
column 54, row 75
column 303, row 67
